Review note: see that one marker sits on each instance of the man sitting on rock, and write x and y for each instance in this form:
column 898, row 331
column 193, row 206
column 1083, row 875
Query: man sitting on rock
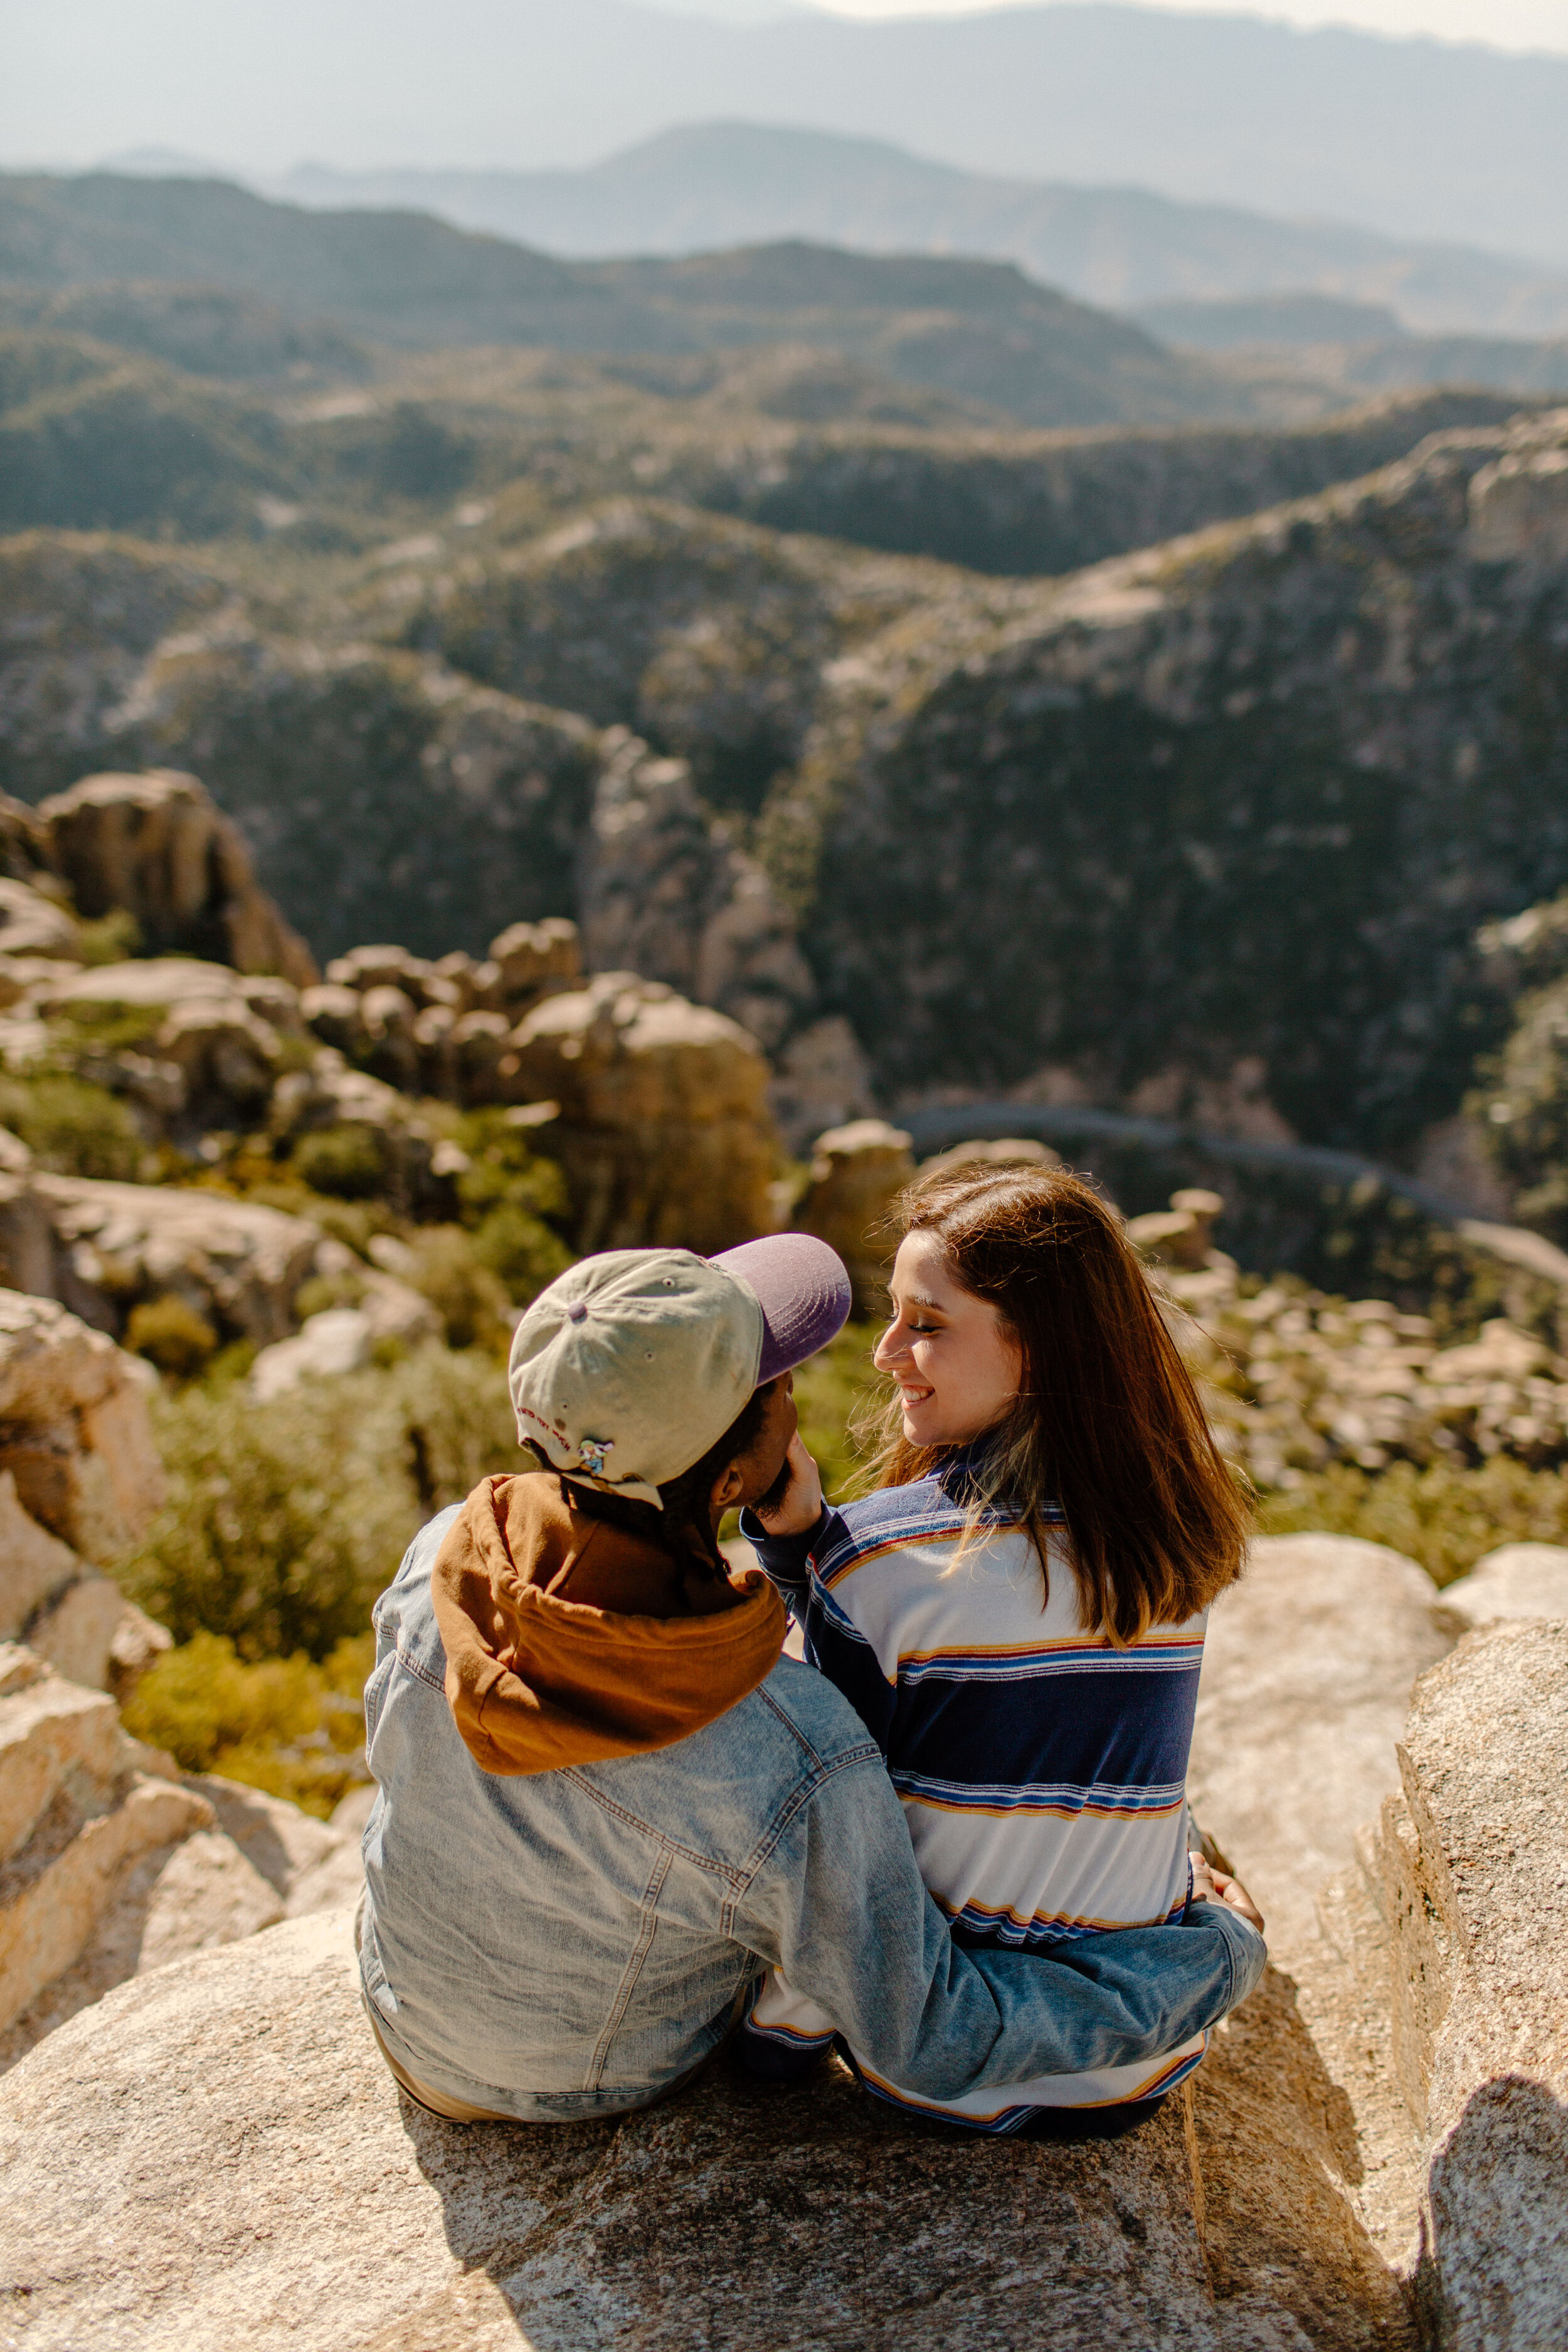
column 607, row 1801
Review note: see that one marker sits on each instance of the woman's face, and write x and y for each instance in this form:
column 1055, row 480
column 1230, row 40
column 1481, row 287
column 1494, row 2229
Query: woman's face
column 957, row 1368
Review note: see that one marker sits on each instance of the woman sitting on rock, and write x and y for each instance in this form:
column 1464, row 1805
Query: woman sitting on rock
column 1017, row 1614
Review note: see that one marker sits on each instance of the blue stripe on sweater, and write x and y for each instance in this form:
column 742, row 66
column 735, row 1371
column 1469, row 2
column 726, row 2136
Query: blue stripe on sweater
column 988, row 1734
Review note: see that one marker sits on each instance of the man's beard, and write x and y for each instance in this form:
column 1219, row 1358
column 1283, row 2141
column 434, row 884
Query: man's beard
column 776, row 1492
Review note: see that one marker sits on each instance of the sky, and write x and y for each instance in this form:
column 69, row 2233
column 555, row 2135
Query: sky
column 1504, row 23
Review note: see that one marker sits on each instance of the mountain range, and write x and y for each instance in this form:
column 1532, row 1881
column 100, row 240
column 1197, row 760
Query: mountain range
column 1411, row 137
column 159, row 266
column 706, row 186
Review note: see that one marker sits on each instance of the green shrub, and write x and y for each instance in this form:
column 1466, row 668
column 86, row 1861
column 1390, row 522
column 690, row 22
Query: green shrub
column 474, row 1309
column 108, row 1024
column 286, row 1725
column 503, row 1168
column 505, row 1196
column 520, row 1250
column 832, row 1391
column 286, row 1519
column 348, row 1161
column 171, row 1334
column 113, row 938
column 1444, row 1517
column 458, row 1425
column 325, row 1291
column 72, row 1128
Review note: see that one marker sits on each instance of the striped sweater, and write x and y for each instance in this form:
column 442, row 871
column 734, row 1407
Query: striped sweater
column 1042, row 1771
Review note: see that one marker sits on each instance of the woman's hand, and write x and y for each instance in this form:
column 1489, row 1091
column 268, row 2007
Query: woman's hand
column 1211, row 1886
column 799, row 1507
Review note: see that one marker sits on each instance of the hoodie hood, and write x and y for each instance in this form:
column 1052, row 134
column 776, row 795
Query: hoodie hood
column 536, row 1682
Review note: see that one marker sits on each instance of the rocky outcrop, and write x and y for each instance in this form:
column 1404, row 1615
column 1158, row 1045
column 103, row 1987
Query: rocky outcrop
column 1476, row 1901
column 112, row 1865
column 1048, row 503
column 857, row 1173
column 33, row 924
column 1308, row 1669
column 118, row 1245
column 74, row 1433
column 663, row 1128
column 79, row 1480
column 78, row 1812
column 109, row 1861
column 155, row 846
column 705, row 637
column 212, row 1044
column 1522, row 1579
column 664, row 894
column 494, row 790
column 1421, row 1953
column 219, row 2147
column 1260, row 2215
column 1155, row 817
column 1293, row 1381
column 443, row 1028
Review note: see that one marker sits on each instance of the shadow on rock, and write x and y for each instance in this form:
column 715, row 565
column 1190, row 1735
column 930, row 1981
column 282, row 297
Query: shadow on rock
column 1278, row 2157
column 763, row 2221
column 1498, row 2181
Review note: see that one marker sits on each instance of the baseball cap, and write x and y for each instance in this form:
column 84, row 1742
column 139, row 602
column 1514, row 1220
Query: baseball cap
column 631, row 1364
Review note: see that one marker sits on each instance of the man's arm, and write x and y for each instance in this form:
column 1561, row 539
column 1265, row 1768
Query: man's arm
column 839, row 1907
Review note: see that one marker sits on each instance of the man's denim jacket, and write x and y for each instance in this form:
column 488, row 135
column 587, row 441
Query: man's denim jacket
column 570, row 1944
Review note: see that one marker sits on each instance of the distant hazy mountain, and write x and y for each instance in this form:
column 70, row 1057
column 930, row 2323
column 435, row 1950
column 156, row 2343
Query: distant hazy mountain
column 723, row 184
column 977, row 333
column 1412, row 138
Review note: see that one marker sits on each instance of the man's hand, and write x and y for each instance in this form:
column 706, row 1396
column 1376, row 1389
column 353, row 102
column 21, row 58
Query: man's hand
column 799, row 1507
column 1211, row 1886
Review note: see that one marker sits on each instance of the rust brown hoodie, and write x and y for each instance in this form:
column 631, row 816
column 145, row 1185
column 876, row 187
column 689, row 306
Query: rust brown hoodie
column 537, row 1679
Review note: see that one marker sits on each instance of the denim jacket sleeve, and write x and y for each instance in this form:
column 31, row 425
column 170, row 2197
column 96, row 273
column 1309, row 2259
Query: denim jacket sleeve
column 833, row 1646
column 838, row 1903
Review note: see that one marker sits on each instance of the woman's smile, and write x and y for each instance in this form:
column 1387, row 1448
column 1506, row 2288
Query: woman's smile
column 955, row 1362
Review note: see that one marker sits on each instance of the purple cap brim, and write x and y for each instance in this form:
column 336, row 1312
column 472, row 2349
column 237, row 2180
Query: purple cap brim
column 804, row 1292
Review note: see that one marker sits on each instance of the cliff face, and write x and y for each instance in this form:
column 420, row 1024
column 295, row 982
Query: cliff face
column 1048, row 502
column 1242, row 799
column 1212, row 824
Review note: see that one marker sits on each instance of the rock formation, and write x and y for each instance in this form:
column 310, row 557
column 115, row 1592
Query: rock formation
column 857, row 1173
column 678, row 2226
column 113, row 1864
column 1293, row 1381
column 1475, row 1900
column 151, row 2180
column 1395, row 1808
column 1521, row 1580
column 664, row 896
column 76, row 1449
column 1154, row 816
column 1307, row 1677
column 109, row 1861
column 32, row 924
column 663, row 1128
column 155, row 846
column 119, row 1244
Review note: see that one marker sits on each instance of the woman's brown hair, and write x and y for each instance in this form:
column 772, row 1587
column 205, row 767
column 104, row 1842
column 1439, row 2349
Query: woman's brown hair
column 1107, row 1423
